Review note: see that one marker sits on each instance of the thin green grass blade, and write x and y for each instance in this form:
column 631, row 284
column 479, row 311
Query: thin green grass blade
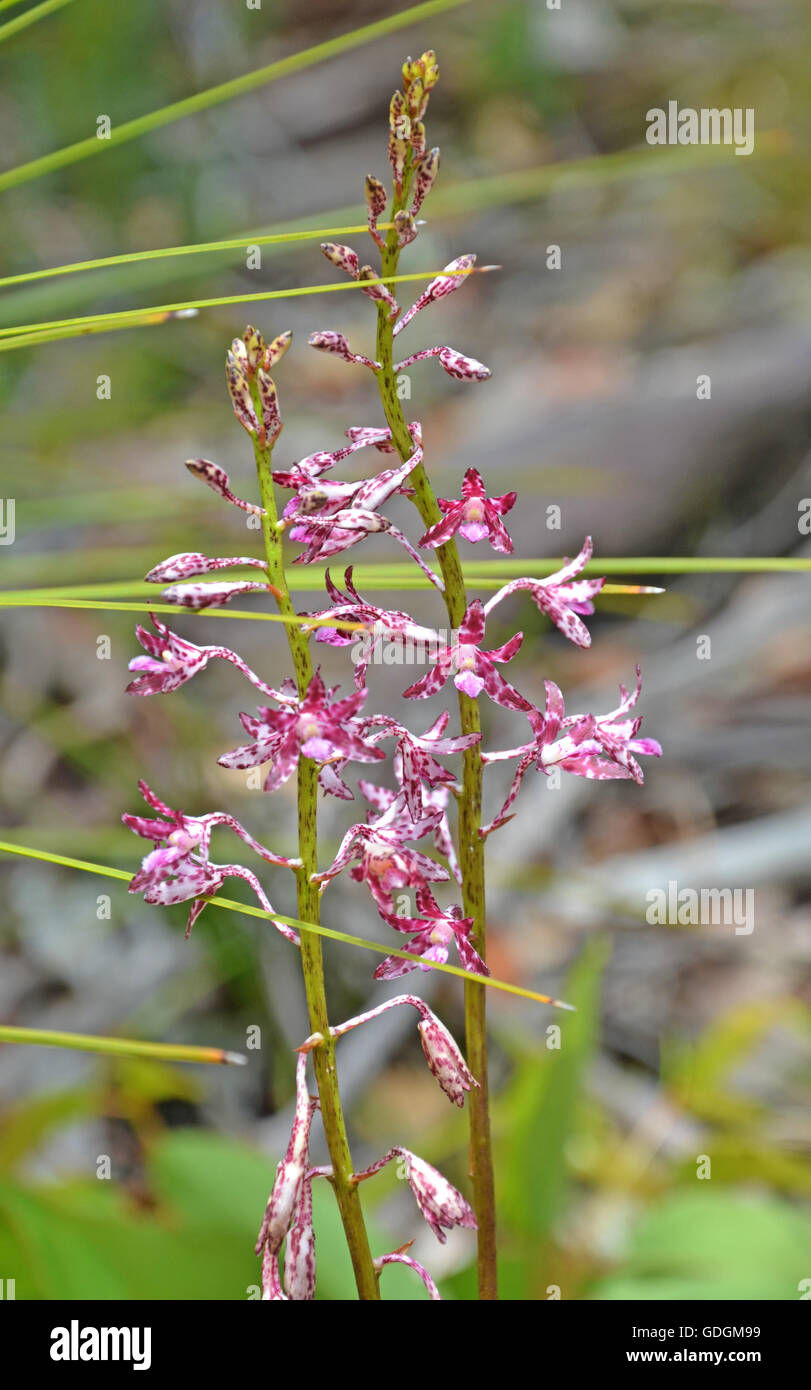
column 26, row 334
column 224, row 91
column 246, row 910
column 194, row 249
column 119, row 1047
column 30, row 17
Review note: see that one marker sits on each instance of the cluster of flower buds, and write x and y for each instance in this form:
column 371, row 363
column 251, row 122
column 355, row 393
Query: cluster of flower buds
column 248, row 365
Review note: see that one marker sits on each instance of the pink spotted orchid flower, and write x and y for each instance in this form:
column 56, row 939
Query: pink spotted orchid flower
column 435, row 930
column 473, row 669
column 415, row 755
column 594, row 746
column 315, row 727
column 560, row 599
column 475, row 516
column 178, row 869
column 381, row 858
column 171, row 661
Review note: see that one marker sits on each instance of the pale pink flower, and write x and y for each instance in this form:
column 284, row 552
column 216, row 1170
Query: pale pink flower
column 594, row 746
column 558, row 598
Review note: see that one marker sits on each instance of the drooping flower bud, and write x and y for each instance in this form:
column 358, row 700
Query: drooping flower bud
column 442, row 1052
column 299, row 1258
column 218, row 480
column 445, row 1059
column 291, row 1170
column 442, row 1206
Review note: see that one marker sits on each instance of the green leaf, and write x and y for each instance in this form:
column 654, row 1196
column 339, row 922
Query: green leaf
column 714, row 1245
column 538, row 1119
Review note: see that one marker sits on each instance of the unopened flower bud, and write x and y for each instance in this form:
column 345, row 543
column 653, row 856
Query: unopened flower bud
column 416, row 98
column 399, row 120
column 406, row 227
column 343, row 256
column 461, row 367
column 240, row 352
column 235, row 371
column 218, row 480
column 271, row 419
column 417, row 139
column 254, row 345
column 439, row 1201
column 378, row 292
column 327, row 340
column 399, row 138
column 291, row 1171
column 424, row 175
column 445, row 1059
column 299, row 1260
column 275, row 351
column 376, row 197
column 376, row 200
